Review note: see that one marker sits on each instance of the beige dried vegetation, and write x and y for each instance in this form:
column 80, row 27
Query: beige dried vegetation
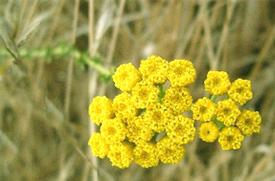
column 44, row 125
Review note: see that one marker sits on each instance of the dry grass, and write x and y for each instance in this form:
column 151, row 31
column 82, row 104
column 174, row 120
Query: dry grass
column 44, row 125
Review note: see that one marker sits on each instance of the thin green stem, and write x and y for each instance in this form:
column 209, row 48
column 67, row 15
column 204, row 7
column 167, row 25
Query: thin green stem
column 219, row 124
column 161, row 93
column 213, row 97
column 96, row 66
column 61, row 51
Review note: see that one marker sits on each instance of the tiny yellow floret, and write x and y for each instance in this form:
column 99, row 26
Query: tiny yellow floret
column 154, row 69
column 138, row 130
column 121, row 155
column 227, row 112
column 145, row 155
column 217, row 82
column 181, row 129
column 157, row 116
column 203, row 109
column 126, row 76
column 240, row 91
column 249, row 122
column 169, row 152
column 113, row 130
column 208, row 132
column 98, row 145
column 144, row 94
column 181, row 73
column 123, row 106
column 177, row 99
column 230, row 138
column 100, row 109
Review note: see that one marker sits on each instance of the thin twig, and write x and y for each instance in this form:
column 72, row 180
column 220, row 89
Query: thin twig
column 63, row 131
column 208, row 36
column 63, row 175
column 115, row 33
column 222, row 42
column 71, row 62
column 92, row 79
column 263, row 53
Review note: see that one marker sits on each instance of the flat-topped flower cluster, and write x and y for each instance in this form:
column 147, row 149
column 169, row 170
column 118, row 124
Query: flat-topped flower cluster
column 221, row 118
column 150, row 121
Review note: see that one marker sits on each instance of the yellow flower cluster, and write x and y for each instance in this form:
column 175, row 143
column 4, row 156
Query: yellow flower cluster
column 221, row 117
column 144, row 124
column 148, row 122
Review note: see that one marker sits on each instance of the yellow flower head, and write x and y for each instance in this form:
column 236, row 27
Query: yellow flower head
column 121, row 155
column 181, row 129
column 208, row 132
column 154, row 69
column 100, row 109
column 113, row 130
column 146, row 123
column 240, row 91
column 217, row 82
column 169, row 152
column 249, row 122
column 157, row 116
column 227, row 112
column 203, row 110
column 230, row 138
column 144, row 94
column 126, row 77
column 98, row 145
column 181, row 73
column 123, row 106
column 145, row 155
column 138, row 130
column 178, row 99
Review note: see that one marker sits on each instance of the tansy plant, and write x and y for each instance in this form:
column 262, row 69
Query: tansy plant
column 149, row 122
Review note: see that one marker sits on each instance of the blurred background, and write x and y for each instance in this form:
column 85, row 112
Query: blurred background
column 56, row 55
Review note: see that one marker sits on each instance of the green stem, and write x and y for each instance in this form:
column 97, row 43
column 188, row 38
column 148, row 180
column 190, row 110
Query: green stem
column 213, row 98
column 161, row 92
column 61, row 50
column 98, row 67
column 219, row 124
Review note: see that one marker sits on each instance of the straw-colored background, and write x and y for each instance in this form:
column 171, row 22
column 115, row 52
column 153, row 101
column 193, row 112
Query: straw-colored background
column 44, row 127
